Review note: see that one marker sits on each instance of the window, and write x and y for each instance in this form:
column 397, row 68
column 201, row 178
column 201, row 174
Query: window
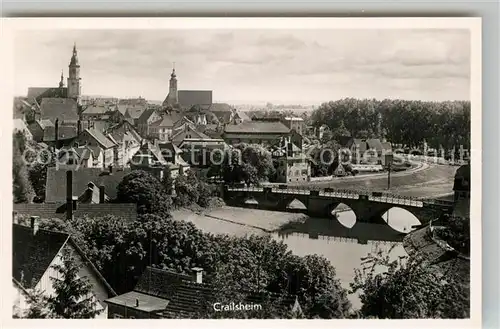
column 117, row 316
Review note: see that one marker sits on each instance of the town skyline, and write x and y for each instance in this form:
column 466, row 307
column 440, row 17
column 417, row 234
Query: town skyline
column 254, row 66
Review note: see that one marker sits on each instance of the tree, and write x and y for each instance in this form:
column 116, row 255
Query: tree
column 249, row 163
column 22, row 191
column 406, row 288
column 146, row 191
column 73, row 297
column 313, row 279
column 167, row 180
column 37, row 307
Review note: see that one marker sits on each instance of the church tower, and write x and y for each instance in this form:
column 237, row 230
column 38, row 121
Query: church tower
column 61, row 82
column 74, row 86
column 172, row 97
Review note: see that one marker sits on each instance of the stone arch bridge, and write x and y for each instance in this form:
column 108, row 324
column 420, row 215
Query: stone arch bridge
column 367, row 206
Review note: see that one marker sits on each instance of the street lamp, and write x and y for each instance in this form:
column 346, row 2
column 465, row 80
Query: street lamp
column 388, row 162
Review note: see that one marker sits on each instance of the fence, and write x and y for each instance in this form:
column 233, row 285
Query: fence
column 381, row 197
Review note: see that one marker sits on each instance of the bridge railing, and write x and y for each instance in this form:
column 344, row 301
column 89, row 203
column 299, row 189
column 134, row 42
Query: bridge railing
column 347, row 194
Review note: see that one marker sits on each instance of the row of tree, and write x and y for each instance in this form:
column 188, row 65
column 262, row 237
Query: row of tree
column 440, row 124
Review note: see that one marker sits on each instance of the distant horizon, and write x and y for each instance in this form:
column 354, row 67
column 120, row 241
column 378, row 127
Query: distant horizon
column 251, row 66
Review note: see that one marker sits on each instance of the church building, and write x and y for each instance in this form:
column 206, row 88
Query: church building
column 186, row 99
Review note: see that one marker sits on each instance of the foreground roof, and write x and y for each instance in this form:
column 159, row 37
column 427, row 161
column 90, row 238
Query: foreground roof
column 56, row 181
column 127, row 211
column 33, row 254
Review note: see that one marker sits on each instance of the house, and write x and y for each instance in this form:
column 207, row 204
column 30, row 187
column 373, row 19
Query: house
column 37, row 129
column 64, row 109
column 58, row 136
column 34, row 253
column 128, row 141
column 102, row 112
column 132, row 113
column 255, row 132
column 203, row 152
column 162, row 128
column 151, row 158
column 222, row 111
column 293, row 166
column 163, row 294
column 74, row 158
column 93, row 137
column 20, row 126
column 144, row 122
column 295, row 123
column 56, row 181
column 186, row 131
column 22, row 109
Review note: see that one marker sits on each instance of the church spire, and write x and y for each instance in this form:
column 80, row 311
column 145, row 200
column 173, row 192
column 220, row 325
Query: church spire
column 74, row 58
column 61, row 82
column 173, row 75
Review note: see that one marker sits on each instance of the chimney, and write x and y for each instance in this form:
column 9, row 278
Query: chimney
column 110, row 167
column 34, row 224
column 79, row 127
column 101, row 194
column 69, row 195
column 197, row 274
column 88, row 123
column 136, row 302
column 289, row 149
column 56, row 131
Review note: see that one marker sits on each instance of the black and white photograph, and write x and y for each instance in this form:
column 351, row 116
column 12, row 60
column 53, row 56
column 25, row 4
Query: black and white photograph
column 245, row 169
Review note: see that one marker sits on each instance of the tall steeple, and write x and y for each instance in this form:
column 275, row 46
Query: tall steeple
column 172, row 97
column 61, row 82
column 74, row 85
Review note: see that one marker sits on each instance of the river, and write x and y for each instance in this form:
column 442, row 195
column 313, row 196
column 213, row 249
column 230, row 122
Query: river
column 343, row 242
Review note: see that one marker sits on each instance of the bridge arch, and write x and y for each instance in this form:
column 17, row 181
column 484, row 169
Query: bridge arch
column 343, row 213
column 401, row 219
column 295, row 204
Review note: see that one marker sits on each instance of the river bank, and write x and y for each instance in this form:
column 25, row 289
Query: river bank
column 325, row 237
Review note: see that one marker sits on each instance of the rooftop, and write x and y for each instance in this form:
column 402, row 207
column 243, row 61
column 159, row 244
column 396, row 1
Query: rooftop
column 258, row 127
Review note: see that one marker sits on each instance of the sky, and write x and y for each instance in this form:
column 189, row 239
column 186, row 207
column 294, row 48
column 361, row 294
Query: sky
column 253, row 66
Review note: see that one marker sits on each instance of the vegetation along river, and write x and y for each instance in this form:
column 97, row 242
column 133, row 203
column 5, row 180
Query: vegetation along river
column 344, row 242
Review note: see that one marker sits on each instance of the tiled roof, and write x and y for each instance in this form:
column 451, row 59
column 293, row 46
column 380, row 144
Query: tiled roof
column 147, row 303
column 159, row 283
column 176, row 137
column 56, row 181
column 63, row 132
column 64, row 109
column 375, row 143
column 120, row 130
column 96, row 109
column 100, row 138
column 257, row 127
column 33, row 254
column 127, row 211
column 170, row 146
column 34, row 92
column 437, row 258
column 169, row 120
column 132, row 112
column 188, row 98
column 45, row 123
column 243, row 116
column 143, row 118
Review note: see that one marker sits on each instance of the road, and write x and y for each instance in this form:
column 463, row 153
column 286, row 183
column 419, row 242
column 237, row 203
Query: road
column 430, row 180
